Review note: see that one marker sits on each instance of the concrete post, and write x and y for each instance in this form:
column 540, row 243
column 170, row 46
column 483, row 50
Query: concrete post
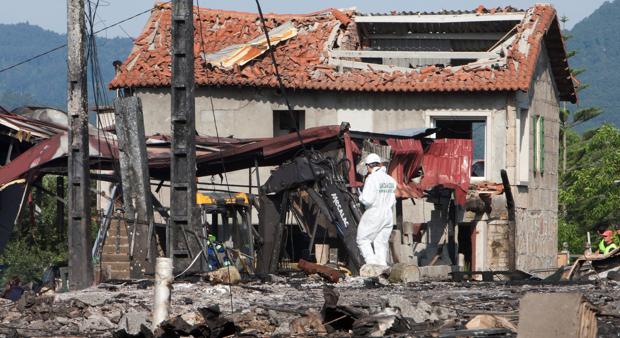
column 135, row 180
column 183, row 210
column 163, row 287
column 80, row 265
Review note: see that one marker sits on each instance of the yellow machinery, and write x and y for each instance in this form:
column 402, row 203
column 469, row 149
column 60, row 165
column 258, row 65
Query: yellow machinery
column 227, row 217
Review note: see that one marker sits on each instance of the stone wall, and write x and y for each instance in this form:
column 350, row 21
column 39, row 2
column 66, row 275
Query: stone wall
column 497, row 241
column 537, row 200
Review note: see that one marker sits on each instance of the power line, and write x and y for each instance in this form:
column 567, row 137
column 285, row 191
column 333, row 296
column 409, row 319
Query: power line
column 33, row 58
column 217, row 134
column 279, row 78
column 65, row 45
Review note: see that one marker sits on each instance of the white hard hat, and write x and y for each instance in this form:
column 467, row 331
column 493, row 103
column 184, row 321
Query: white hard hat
column 372, row 158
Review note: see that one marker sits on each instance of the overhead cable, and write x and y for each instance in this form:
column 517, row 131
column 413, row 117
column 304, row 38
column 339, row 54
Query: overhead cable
column 278, row 77
column 65, row 45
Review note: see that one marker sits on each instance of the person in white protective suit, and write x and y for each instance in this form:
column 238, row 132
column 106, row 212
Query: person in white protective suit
column 378, row 196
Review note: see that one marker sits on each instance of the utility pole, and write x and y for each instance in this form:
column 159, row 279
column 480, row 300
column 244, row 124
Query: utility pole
column 564, row 20
column 60, row 207
column 80, row 265
column 183, row 211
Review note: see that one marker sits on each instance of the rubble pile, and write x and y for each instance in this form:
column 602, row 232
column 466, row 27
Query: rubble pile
column 297, row 305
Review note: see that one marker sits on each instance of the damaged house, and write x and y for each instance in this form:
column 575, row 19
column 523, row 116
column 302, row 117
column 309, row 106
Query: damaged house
column 493, row 76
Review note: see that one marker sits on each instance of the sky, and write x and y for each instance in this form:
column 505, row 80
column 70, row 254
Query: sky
column 51, row 14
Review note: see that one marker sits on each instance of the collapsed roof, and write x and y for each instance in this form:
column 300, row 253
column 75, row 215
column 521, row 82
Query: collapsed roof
column 444, row 162
column 481, row 50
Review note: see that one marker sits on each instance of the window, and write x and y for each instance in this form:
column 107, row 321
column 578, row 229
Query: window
column 538, row 132
column 523, row 147
column 473, row 129
column 284, row 123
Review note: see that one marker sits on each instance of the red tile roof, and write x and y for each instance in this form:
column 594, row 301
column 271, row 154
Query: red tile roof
column 303, row 59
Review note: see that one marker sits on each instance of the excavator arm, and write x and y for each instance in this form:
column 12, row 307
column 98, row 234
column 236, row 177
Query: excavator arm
column 318, row 176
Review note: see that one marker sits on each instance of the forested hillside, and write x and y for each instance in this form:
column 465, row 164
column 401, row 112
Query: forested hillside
column 596, row 40
column 43, row 81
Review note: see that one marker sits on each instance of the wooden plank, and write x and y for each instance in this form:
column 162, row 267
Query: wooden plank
column 441, row 18
column 410, row 55
column 437, row 36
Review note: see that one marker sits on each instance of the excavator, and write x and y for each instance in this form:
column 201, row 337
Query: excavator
column 319, row 180
column 323, row 181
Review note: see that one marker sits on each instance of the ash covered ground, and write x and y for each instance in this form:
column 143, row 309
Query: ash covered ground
column 270, row 307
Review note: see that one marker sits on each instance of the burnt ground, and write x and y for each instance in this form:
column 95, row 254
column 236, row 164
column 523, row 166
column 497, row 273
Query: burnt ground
column 266, row 308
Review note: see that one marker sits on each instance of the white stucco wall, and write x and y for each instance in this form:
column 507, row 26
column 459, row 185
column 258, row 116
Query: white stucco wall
column 248, row 112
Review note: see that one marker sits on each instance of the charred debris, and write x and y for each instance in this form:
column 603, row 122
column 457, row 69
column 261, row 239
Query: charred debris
column 277, row 256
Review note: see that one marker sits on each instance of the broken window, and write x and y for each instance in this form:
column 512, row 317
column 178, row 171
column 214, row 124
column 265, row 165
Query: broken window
column 285, row 122
column 475, row 130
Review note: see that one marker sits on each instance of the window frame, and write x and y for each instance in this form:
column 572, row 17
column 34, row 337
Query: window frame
column 538, row 148
column 276, row 113
column 487, row 117
column 523, row 130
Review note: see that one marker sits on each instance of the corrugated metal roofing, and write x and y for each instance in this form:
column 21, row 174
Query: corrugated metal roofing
column 447, row 162
column 479, row 10
column 25, row 128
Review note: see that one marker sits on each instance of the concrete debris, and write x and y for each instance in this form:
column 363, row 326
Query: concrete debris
column 96, row 322
column 310, row 324
column 381, row 324
column 614, row 275
column 567, row 315
column 132, row 321
column 373, row 270
column 421, row 312
column 225, row 275
column 489, row 322
column 404, row 273
column 435, row 272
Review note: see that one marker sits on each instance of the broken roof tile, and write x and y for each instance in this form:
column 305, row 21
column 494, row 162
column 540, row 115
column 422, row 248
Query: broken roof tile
column 301, row 56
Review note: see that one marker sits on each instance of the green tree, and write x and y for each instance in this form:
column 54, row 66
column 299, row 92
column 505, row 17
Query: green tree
column 571, row 119
column 588, row 188
column 35, row 247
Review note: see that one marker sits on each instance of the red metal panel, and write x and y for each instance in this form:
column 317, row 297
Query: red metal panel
column 52, row 149
column 41, row 153
column 448, row 163
column 349, row 149
column 407, row 155
column 103, row 149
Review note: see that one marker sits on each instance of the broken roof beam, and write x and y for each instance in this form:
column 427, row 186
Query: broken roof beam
column 438, row 36
column 411, row 55
column 440, row 18
column 367, row 66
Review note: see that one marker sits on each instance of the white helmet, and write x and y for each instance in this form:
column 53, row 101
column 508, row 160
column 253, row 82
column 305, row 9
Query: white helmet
column 372, row 158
